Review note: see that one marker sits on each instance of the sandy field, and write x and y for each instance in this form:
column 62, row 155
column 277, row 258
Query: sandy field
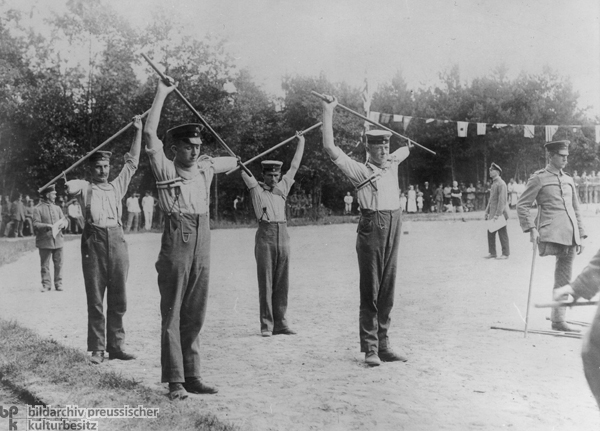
column 461, row 375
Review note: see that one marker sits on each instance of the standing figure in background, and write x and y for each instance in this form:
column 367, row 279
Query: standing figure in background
column 411, row 206
column 439, row 198
column 348, row 199
column 148, row 204
column 495, row 210
column 427, row 198
column 133, row 212
column 470, row 198
column 456, row 198
column 17, row 217
column 512, row 194
column 48, row 238
column 28, row 223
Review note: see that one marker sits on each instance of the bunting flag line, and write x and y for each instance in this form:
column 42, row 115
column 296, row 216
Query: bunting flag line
column 462, row 126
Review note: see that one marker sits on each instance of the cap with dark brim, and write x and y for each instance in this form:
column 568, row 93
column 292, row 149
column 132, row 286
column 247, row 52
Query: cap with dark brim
column 271, row 166
column 190, row 133
column 560, row 147
column 100, row 155
column 495, row 167
column 375, row 137
column 49, row 189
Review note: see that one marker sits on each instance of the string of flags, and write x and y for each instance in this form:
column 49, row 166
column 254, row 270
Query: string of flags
column 462, row 126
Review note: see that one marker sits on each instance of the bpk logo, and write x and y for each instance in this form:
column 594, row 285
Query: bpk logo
column 10, row 413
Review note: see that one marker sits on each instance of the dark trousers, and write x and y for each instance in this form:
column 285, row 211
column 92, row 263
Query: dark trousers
column 14, row 228
column 56, row 255
column 105, row 262
column 272, row 253
column 562, row 275
column 503, row 234
column 377, row 246
column 183, row 272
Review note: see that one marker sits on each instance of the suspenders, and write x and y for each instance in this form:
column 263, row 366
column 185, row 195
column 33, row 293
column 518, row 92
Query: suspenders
column 88, row 205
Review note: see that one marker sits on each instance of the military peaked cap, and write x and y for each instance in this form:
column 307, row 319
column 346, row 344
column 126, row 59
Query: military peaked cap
column 496, row 167
column 273, row 166
column 189, row 133
column 377, row 136
column 49, row 189
column 560, row 147
column 100, row 155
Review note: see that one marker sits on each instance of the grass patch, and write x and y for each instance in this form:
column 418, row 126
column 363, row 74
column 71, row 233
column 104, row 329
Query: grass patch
column 12, row 249
column 38, row 366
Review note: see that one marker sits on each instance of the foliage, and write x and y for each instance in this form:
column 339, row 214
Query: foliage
column 53, row 111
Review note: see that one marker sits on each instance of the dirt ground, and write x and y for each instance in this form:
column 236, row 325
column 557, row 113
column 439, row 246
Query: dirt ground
column 461, row 375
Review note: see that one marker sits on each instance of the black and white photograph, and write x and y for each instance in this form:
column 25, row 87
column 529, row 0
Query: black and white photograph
column 272, row 215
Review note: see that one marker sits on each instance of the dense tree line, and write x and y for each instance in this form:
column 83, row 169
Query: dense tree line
column 53, row 110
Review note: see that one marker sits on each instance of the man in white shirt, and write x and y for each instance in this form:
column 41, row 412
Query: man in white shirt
column 148, row 204
column 272, row 241
column 183, row 264
column 133, row 212
column 104, row 255
column 348, row 199
column 379, row 230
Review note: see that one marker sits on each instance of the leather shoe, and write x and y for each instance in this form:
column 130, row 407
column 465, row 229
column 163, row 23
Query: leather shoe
column 285, row 331
column 58, row 289
column 563, row 327
column 195, row 386
column 121, row 355
column 97, row 357
column 371, row 359
column 503, row 257
column 391, row 356
column 177, row 392
column 490, row 256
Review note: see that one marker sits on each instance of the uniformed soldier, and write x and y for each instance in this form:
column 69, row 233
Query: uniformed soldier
column 379, row 230
column 495, row 209
column 558, row 229
column 272, row 241
column 104, row 254
column 50, row 243
column 184, row 260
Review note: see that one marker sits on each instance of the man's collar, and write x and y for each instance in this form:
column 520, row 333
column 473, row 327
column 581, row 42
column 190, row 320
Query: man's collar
column 553, row 170
column 264, row 186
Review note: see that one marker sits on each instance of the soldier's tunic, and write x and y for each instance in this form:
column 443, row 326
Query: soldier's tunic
column 271, row 250
column 45, row 214
column 104, row 256
column 378, row 238
column 184, row 259
column 558, row 222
